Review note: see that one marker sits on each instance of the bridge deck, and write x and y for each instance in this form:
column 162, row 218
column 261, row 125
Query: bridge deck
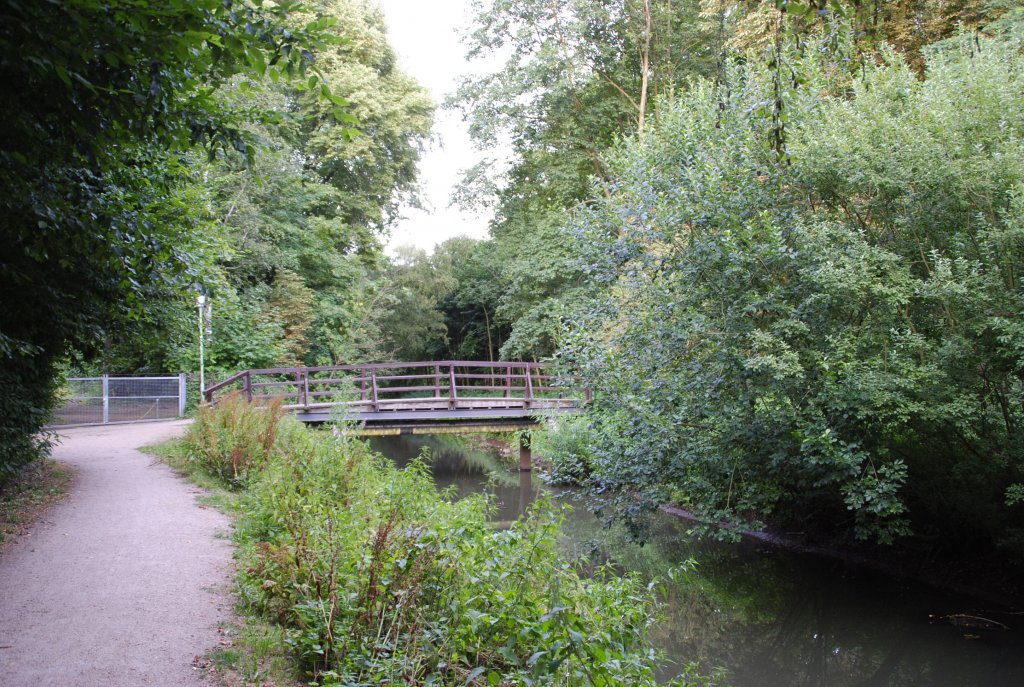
column 461, row 416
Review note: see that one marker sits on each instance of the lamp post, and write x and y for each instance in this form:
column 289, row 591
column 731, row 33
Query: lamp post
column 201, row 306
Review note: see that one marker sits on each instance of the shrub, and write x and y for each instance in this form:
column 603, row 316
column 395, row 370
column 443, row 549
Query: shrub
column 233, row 438
column 382, row 580
column 28, row 391
column 566, row 443
column 379, row 579
column 833, row 342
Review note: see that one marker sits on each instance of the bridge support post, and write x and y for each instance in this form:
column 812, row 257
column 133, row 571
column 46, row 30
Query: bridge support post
column 525, row 452
column 525, row 492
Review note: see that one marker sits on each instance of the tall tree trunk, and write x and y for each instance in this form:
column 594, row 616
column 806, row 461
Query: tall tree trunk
column 490, row 343
column 645, row 62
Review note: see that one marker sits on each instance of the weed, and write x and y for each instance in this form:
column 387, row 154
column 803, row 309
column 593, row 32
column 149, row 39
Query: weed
column 27, row 495
column 381, row 580
column 368, row 575
column 234, row 437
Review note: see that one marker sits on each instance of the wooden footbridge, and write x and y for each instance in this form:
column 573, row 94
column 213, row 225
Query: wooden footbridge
column 437, row 397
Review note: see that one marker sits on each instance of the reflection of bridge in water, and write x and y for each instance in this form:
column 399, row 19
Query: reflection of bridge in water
column 437, row 397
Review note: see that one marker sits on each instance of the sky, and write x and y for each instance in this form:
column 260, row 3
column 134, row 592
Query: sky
column 425, row 35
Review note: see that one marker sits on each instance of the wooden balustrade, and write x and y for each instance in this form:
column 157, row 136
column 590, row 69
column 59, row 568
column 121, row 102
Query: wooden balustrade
column 380, row 387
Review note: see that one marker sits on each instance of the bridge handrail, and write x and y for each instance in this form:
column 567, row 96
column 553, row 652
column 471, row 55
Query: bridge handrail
column 210, row 390
column 530, row 382
column 383, row 366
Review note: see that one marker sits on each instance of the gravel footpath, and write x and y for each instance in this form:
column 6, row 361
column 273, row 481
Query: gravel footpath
column 124, row 582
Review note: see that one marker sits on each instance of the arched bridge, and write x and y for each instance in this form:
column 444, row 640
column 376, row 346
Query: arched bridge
column 420, row 397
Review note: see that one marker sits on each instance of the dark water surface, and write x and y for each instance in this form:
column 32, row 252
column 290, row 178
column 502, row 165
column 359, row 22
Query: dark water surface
column 771, row 617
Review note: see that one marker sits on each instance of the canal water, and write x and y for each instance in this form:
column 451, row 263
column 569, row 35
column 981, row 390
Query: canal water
column 769, row 616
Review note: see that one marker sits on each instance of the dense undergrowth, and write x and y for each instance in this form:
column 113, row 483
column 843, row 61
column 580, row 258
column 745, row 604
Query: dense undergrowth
column 379, row 579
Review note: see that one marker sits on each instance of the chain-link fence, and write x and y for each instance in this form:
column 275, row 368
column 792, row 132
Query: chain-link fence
column 101, row 400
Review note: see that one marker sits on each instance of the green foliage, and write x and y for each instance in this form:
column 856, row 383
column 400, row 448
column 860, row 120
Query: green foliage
column 376, row 171
column 576, row 77
column 827, row 341
column 572, row 84
column 378, row 578
column 567, row 444
column 474, row 331
column 285, row 239
column 243, row 336
column 444, row 305
column 316, row 201
column 910, row 27
column 234, row 439
column 291, row 303
column 31, row 392
column 414, row 328
column 103, row 102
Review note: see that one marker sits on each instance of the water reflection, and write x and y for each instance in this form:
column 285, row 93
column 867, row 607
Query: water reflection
column 773, row 618
column 458, row 463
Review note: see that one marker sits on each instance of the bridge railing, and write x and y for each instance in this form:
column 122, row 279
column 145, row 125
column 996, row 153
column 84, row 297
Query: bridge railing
column 377, row 387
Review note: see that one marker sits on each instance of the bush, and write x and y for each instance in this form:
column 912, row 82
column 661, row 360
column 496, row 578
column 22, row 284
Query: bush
column 28, row 384
column 833, row 340
column 566, row 444
column 382, row 580
column 234, row 438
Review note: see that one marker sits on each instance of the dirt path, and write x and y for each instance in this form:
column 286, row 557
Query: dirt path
column 122, row 583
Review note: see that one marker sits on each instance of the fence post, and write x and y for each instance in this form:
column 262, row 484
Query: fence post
column 373, row 391
column 247, row 385
column 182, row 390
column 437, row 381
column 106, row 399
column 453, row 395
column 529, row 385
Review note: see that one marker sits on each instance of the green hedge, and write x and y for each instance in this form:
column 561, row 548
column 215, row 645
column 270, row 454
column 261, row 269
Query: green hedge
column 27, row 384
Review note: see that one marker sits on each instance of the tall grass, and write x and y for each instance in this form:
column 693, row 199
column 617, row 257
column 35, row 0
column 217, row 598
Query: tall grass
column 233, row 438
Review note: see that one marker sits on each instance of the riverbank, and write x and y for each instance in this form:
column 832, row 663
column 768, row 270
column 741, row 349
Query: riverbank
column 773, row 616
column 372, row 575
column 986, row 582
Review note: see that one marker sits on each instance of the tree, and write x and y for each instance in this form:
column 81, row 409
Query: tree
column 753, row 26
column 101, row 100
column 306, row 211
column 578, row 76
column 318, row 201
column 414, row 328
column 291, row 304
column 827, row 342
column 474, row 330
column 376, row 171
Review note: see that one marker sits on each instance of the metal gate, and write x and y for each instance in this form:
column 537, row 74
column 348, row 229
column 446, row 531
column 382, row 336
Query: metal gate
column 106, row 399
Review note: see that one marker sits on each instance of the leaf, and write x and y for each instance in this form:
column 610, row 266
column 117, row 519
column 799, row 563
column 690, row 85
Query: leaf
column 62, row 73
